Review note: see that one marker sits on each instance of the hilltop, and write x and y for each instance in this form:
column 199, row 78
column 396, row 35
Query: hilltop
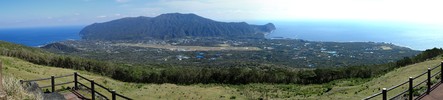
column 171, row 26
column 59, row 47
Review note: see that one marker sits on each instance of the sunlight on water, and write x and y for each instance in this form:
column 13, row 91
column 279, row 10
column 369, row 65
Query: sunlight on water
column 419, row 37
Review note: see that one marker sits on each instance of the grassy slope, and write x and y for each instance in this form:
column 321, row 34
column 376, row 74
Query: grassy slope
column 342, row 89
column 25, row 70
column 388, row 80
column 15, row 91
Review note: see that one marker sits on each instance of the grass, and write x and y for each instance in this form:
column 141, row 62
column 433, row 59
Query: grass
column 26, row 71
column 359, row 91
column 15, row 91
column 337, row 90
column 347, row 89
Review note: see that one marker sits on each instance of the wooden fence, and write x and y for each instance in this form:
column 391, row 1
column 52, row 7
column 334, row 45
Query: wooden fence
column 76, row 82
column 413, row 92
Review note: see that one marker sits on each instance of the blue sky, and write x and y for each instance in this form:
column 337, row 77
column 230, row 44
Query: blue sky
column 31, row 13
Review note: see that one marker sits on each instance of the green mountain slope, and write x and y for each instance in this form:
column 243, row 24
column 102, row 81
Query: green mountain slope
column 341, row 89
column 24, row 70
column 388, row 80
column 169, row 26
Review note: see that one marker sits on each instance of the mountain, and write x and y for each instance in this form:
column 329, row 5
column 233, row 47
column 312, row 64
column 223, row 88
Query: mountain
column 172, row 25
column 59, row 47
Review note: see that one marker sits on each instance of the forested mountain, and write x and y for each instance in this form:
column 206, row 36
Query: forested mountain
column 172, row 25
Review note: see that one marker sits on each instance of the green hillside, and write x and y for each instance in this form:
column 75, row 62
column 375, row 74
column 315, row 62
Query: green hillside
column 237, row 72
column 354, row 82
column 340, row 89
column 395, row 77
column 21, row 69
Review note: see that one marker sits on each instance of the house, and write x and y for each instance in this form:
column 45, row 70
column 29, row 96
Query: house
column 200, row 57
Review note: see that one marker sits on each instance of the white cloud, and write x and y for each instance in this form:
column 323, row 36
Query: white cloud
column 102, row 16
column 214, row 9
column 423, row 11
column 393, row 10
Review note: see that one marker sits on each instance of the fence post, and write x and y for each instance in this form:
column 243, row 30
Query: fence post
column 113, row 94
column 429, row 81
column 75, row 81
column 384, row 92
column 53, row 83
column 441, row 72
column 92, row 90
column 1, row 76
column 411, row 88
column 3, row 94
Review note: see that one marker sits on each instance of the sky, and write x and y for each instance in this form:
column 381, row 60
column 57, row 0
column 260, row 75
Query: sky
column 35, row 13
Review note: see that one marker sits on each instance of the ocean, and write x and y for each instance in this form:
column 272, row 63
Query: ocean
column 40, row 35
column 415, row 36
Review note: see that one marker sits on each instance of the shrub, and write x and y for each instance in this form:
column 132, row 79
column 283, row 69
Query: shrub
column 15, row 91
column 232, row 97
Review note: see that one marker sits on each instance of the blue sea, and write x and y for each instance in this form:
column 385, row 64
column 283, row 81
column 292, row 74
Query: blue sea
column 39, row 36
column 415, row 36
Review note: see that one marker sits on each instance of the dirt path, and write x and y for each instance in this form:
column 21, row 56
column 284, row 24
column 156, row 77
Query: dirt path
column 436, row 94
column 71, row 96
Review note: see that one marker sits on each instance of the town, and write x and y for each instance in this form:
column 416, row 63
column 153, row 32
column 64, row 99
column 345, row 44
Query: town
column 203, row 52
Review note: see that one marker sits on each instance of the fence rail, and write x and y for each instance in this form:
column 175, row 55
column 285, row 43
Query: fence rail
column 114, row 94
column 413, row 88
column 76, row 82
